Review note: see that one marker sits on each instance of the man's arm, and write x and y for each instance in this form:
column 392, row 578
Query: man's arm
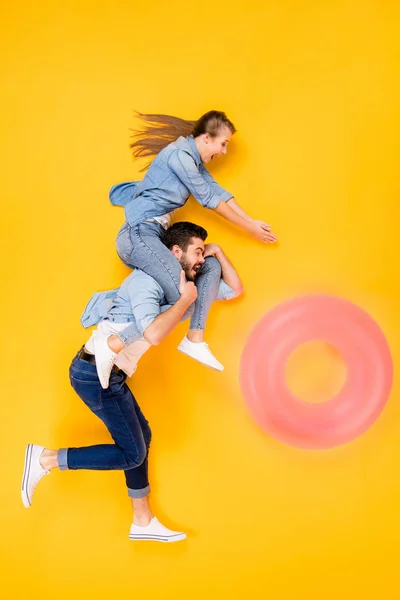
column 165, row 322
column 229, row 273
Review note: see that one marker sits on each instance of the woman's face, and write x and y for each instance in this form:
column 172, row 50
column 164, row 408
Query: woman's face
column 213, row 147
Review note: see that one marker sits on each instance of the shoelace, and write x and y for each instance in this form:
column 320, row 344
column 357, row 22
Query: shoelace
column 209, row 353
column 207, row 349
column 42, row 474
column 110, row 363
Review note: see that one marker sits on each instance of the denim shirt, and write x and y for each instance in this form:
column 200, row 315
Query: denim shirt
column 175, row 173
column 140, row 299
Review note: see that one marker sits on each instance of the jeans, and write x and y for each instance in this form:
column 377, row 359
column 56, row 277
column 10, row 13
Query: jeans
column 117, row 408
column 141, row 247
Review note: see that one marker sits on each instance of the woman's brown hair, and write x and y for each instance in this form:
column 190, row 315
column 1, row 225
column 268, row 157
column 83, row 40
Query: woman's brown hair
column 161, row 130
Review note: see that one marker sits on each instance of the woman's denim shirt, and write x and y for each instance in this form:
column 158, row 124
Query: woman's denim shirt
column 175, row 173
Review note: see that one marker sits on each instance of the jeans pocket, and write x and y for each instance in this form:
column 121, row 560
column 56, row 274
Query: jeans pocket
column 116, row 382
column 88, row 390
column 124, row 244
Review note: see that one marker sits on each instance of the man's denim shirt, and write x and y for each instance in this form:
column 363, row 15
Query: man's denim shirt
column 140, row 299
column 175, row 173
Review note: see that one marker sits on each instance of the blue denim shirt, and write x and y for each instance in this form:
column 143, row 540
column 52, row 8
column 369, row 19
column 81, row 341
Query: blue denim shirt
column 140, row 299
column 175, row 173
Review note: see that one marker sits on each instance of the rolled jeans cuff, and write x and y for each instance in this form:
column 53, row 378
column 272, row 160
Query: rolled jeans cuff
column 62, row 457
column 139, row 493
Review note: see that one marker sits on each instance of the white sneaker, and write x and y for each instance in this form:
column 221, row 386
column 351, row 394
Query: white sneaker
column 201, row 352
column 155, row 532
column 33, row 473
column 105, row 357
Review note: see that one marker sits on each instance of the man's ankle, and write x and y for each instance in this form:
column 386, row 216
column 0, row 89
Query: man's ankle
column 142, row 520
column 49, row 459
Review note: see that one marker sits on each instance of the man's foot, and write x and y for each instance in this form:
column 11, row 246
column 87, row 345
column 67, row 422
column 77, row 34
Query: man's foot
column 105, row 357
column 33, row 473
column 201, row 352
column 155, row 532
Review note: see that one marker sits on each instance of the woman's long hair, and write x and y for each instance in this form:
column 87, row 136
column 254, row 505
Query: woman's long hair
column 161, row 130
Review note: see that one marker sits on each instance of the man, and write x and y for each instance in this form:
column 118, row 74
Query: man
column 141, row 300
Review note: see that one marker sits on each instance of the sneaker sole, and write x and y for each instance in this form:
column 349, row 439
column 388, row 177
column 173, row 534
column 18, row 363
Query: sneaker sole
column 199, row 361
column 103, row 381
column 157, row 538
column 27, row 466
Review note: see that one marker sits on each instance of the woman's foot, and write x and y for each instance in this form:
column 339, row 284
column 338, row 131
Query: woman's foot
column 105, row 357
column 155, row 532
column 200, row 352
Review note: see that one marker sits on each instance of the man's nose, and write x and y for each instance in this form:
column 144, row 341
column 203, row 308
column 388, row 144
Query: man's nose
column 202, row 260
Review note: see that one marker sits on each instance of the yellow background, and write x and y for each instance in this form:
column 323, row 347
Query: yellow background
column 312, row 88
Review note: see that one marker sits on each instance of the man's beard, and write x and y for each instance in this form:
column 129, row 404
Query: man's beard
column 188, row 268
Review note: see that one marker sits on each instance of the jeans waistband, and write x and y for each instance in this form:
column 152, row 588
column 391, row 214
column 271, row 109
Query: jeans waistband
column 91, row 359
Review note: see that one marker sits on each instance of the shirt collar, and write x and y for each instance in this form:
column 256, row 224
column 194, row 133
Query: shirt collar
column 194, row 149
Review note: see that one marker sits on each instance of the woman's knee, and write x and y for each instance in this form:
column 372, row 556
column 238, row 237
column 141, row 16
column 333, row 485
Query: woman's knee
column 212, row 265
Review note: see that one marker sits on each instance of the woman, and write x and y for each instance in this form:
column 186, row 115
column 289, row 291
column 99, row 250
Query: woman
column 181, row 149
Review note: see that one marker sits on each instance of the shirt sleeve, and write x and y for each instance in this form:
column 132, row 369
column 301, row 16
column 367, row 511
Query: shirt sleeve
column 218, row 189
column 145, row 299
column 184, row 167
column 225, row 292
column 97, row 307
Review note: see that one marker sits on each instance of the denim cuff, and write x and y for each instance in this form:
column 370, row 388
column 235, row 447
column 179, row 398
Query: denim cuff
column 63, row 459
column 122, row 337
column 139, row 493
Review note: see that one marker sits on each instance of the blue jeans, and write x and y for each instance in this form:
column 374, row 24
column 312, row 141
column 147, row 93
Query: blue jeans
column 117, row 408
column 141, row 247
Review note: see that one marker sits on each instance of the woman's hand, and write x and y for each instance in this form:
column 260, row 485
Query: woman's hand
column 262, row 231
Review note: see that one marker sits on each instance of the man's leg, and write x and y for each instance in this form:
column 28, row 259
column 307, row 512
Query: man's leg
column 118, row 409
column 140, row 503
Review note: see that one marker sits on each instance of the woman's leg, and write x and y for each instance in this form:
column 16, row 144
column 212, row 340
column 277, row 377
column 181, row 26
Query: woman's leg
column 141, row 247
column 207, row 283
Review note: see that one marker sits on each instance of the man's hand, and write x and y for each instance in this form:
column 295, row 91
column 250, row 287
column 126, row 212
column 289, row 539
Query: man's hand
column 187, row 289
column 262, row 231
column 211, row 250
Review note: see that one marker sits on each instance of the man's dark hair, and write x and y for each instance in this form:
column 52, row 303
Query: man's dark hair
column 182, row 233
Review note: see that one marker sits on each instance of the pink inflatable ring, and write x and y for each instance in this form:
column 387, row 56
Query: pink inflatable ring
column 369, row 372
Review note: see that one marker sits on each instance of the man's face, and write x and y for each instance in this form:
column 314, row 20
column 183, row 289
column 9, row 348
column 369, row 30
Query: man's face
column 193, row 258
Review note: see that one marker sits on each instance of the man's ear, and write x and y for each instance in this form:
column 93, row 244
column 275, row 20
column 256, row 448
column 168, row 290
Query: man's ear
column 176, row 251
